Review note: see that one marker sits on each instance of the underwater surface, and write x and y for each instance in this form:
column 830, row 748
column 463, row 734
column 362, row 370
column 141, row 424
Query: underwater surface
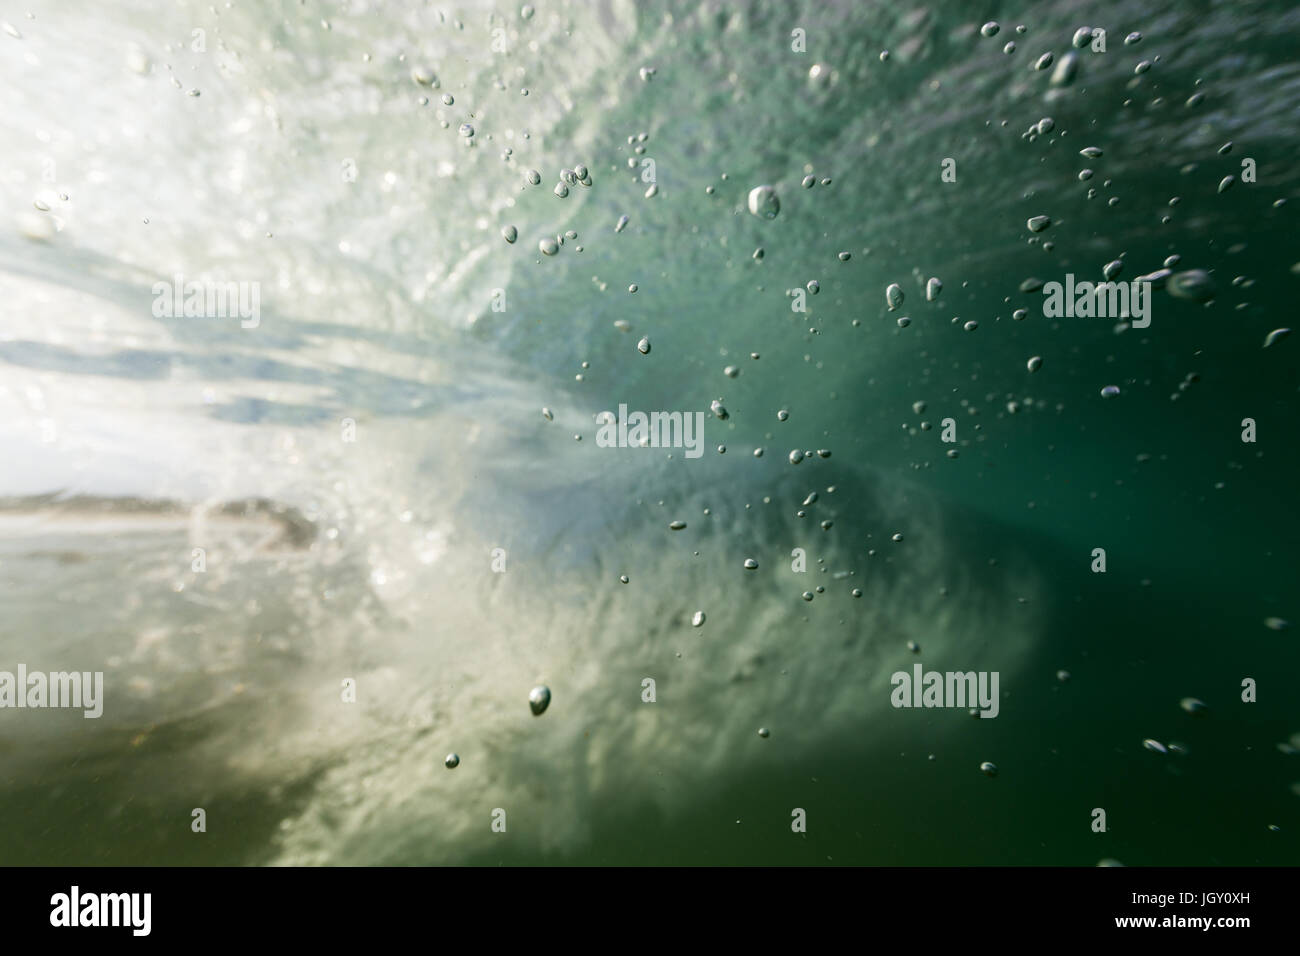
column 731, row 375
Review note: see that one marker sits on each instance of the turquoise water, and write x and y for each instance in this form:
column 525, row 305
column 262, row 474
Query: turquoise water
column 379, row 498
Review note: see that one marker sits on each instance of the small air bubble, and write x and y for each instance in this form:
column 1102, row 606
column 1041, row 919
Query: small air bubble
column 764, row 203
column 539, row 698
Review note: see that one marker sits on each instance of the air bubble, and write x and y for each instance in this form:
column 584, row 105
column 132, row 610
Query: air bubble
column 763, row 202
column 539, row 698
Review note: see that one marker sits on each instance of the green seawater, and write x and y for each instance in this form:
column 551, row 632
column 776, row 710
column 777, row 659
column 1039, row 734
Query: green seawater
column 313, row 163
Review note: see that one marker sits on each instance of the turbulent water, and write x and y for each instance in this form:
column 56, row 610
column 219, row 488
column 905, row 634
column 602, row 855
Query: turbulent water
column 242, row 519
